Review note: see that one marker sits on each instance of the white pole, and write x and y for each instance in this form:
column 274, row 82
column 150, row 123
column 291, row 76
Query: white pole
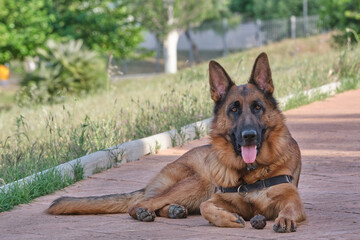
column 293, row 26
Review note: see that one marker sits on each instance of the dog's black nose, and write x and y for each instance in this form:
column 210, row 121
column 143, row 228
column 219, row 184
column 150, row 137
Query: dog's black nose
column 249, row 135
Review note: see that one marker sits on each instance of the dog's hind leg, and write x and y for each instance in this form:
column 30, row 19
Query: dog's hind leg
column 173, row 211
column 183, row 197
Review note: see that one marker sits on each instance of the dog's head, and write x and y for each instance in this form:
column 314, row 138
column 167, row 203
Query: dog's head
column 243, row 115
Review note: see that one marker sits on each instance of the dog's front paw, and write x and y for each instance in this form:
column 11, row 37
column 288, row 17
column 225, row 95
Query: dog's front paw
column 239, row 220
column 284, row 225
column 177, row 211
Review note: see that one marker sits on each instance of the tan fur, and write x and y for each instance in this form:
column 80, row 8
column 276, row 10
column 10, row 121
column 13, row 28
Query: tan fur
column 188, row 184
column 115, row 203
column 184, row 182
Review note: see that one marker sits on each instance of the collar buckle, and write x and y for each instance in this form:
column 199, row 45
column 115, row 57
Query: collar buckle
column 243, row 189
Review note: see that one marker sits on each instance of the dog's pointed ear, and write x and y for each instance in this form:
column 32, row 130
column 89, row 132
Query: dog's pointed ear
column 219, row 80
column 261, row 74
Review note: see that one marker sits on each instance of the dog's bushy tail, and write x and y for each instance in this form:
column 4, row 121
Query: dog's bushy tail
column 114, row 203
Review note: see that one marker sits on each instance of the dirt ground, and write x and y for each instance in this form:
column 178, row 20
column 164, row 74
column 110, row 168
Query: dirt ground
column 328, row 133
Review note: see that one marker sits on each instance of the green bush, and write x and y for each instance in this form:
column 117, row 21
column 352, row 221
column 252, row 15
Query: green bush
column 64, row 69
column 342, row 15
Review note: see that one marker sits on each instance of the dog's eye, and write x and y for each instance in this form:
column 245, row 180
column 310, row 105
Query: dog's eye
column 235, row 107
column 257, row 107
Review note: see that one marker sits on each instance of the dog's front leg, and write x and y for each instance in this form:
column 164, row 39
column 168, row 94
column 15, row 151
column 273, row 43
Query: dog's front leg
column 291, row 209
column 222, row 213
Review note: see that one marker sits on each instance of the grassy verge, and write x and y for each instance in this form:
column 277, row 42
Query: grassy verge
column 346, row 72
column 42, row 184
column 38, row 138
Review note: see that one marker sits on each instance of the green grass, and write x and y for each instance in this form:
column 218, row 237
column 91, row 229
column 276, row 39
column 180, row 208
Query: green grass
column 37, row 138
column 302, row 99
column 41, row 185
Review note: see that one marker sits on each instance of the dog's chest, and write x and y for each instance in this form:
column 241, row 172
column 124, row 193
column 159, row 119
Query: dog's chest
column 251, row 176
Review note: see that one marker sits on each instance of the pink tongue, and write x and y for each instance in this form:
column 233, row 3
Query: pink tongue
column 248, row 153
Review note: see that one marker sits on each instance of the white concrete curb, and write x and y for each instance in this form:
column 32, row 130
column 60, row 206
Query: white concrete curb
column 328, row 88
column 133, row 150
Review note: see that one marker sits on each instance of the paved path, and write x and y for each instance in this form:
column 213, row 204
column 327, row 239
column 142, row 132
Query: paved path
column 329, row 136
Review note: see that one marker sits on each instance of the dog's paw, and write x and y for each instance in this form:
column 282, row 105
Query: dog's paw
column 239, row 220
column 145, row 215
column 177, row 211
column 284, row 225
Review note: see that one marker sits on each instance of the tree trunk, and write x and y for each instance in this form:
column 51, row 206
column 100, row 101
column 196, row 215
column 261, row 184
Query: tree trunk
column 170, row 51
column 194, row 50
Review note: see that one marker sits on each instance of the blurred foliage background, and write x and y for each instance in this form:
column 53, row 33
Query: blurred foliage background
column 37, row 32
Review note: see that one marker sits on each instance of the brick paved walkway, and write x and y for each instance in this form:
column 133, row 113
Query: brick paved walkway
column 328, row 133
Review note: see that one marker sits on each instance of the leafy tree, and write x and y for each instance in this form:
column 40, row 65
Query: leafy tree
column 24, row 26
column 104, row 26
column 168, row 18
column 342, row 15
column 273, row 9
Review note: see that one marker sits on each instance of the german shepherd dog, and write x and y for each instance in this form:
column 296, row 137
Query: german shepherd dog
column 251, row 166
